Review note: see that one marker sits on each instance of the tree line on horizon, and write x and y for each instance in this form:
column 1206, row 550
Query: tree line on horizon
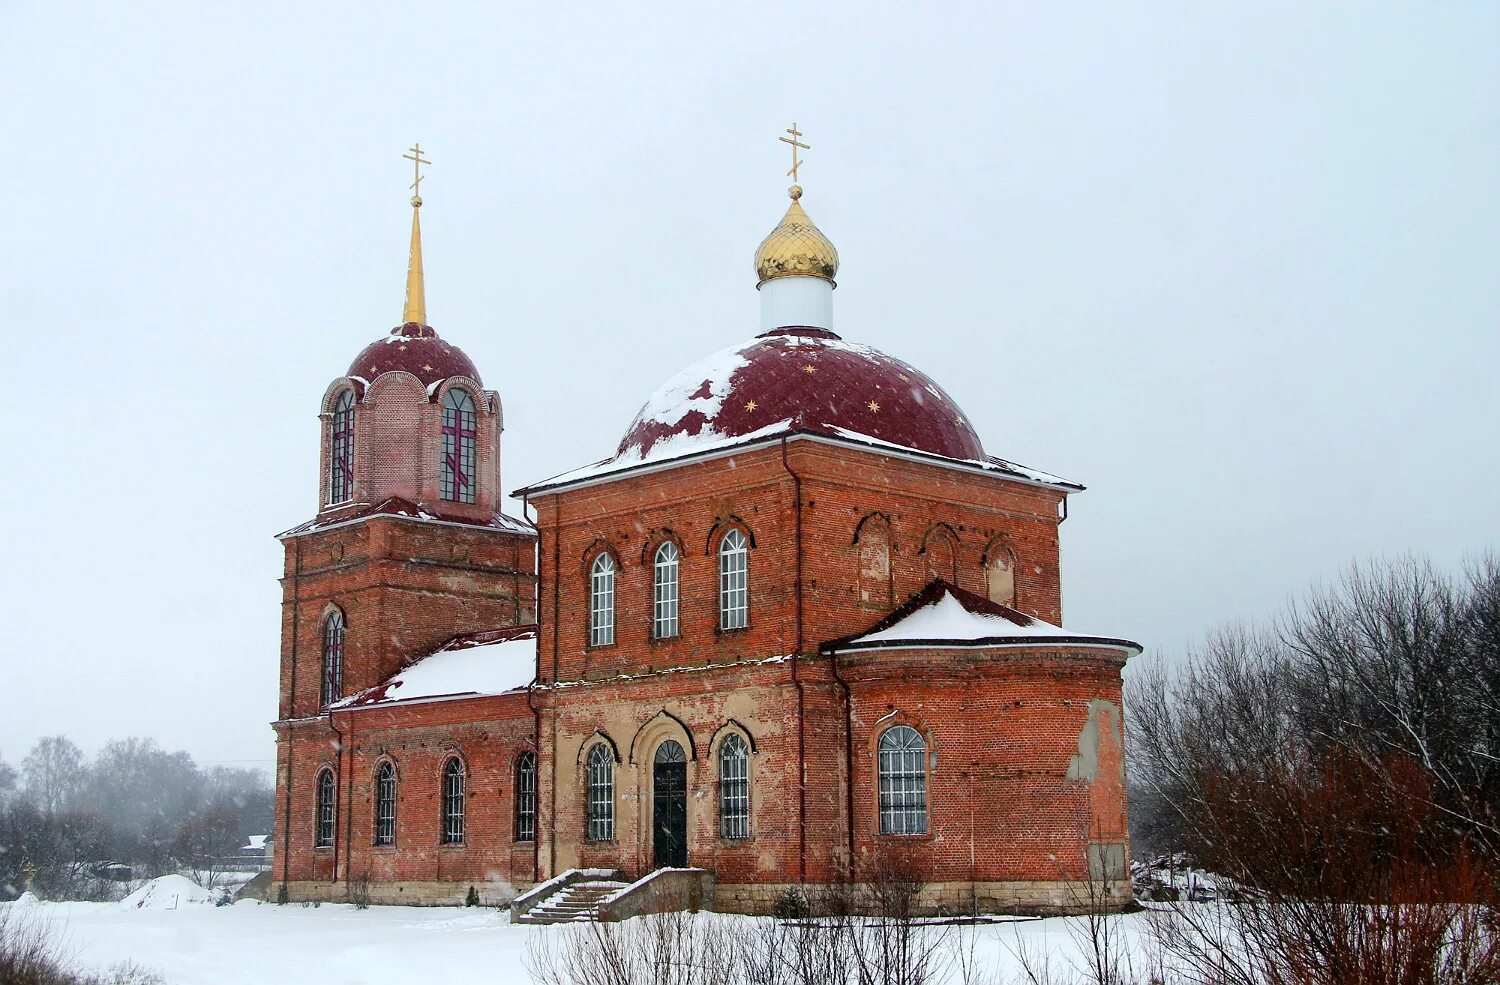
column 64, row 816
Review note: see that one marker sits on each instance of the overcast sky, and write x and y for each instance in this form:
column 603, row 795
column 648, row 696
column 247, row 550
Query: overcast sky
column 1236, row 270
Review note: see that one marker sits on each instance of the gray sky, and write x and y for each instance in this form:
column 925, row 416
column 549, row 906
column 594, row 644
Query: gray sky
column 1234, row 269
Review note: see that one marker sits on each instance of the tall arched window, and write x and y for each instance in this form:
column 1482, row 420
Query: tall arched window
column 601, row 793
column 385, row 804
column 323, row 822
column 1000, row 576
column 903, row 782
column 341, row 450
column 734, row 787
column 874, row 563
column 458, row 446
column 453, row 802
column 734, row 582
column 664, row 588
column 526, row 797
column 940, row 556
column 333, row 659
column 602, row 601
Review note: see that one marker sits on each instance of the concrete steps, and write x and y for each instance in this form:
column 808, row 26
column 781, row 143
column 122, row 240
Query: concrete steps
column 576, row 902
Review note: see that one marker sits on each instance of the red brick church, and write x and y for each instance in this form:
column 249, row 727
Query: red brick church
column 800, row 619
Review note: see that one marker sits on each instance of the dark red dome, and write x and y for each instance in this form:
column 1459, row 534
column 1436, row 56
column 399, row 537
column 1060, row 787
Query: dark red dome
column 415, row 349
column 808, row 379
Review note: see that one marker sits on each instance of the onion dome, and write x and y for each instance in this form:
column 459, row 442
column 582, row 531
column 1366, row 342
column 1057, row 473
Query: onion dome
column 806, row 379
column 414, row 349
column 795, row 248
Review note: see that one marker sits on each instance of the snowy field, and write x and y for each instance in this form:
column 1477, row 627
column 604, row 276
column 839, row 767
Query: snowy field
column 252, row 943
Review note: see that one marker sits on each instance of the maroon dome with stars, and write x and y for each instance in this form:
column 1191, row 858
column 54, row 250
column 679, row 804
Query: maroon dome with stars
column 805, row 379
column 415, row 349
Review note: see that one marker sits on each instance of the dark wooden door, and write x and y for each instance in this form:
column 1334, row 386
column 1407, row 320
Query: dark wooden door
column 669, row 806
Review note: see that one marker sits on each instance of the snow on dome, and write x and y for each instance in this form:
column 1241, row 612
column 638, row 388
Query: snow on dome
column 469, row 666
column 812, row 379
column 414, row 349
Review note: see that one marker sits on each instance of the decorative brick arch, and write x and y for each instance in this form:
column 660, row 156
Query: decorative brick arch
column 940, row 553
column 722, row 527
column 593, row 738
column 660, row 727
column 732, row 725
column 599, row 545
column 653, row 542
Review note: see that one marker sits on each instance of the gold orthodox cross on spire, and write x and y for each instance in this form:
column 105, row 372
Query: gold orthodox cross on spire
column 415, row 157
column 796, row 142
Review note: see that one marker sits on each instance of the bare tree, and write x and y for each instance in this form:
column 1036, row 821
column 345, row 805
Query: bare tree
column 207, row 842
column 53, row 770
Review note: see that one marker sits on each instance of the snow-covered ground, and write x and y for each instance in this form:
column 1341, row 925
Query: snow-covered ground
column 252, row 943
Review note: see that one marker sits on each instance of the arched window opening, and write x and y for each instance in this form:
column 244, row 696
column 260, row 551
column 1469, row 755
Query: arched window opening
column 941, row 557
column 385, row 804
column 1000, row 576
column 453, row 802
column 734, row 787
column 903, row 782
column 602, row 601
column 341, row 450
column 333, row 659
column 526, row 797
column 875, row 565
column 459, row 435
column 601, row 793
column 664, row 591
column 734, row 582
column 323, row 821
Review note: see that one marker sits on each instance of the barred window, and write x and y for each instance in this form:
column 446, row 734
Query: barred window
column 333, row 659
column 453, row 802
column 341, row 450
column 903, row 782
column 664, row 592
column 601, row 793
column 458, row 447
column 526, row 797
column 734, row 788
column 323, row 822
column 602, row 601
column 385, row 804
column 734, row 591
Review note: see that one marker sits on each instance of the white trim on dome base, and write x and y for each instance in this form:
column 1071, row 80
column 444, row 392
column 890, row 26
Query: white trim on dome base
column 788, row 302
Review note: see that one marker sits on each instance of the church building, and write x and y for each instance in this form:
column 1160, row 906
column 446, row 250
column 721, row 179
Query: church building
column 801, row 621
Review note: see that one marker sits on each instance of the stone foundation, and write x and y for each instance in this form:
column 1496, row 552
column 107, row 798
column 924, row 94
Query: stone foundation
column 397, row 893
column 1050, row 898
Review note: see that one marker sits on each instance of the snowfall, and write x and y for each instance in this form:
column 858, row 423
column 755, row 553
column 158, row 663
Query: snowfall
column 172, row 928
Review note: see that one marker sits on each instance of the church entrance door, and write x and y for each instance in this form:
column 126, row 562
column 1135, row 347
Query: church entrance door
column 669, row 806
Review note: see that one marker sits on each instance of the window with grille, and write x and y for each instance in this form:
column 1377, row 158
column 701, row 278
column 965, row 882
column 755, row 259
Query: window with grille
column 734, row 787
column 333, row 659
column 664, row 592
column 323, row 822
column 458, row 447
column 734, row 582
column 526, row 797
column 385, row 804
column 601, row 793
column 602, row 601
column 453, row 802
column 341, row 450
column 903, row 782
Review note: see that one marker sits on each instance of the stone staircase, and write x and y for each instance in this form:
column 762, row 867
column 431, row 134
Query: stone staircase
column 575, row 902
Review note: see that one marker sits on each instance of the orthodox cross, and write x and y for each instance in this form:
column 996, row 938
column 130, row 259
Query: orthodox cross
column 415, row 157
column 796, row 143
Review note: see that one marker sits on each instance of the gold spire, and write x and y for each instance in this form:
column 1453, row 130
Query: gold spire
column 796, row 247
column 416, row 294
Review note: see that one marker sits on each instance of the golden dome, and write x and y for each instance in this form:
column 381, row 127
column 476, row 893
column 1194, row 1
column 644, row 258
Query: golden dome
column 796, row 248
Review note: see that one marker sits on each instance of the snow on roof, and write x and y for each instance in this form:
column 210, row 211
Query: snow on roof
column 944, row 615
column 256, row 843
column 399, row 506
column 990, row 464
column 495, row 662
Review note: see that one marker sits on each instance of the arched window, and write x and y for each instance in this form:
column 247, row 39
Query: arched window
column 664, row 587
column 734, row 787
column 1000, row 576
column 453, row 802
column 333, row 659
column 458, row 446
column 734, row 582
column 341, row 450
column 385, row 804
column 940, row 556
column 323, row 822
column 874, row 564
column 526, row 797
column 602, row 601
column 601, row 793
column 903, row 782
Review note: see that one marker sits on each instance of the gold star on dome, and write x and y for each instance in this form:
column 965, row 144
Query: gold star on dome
column 374, row 369
column 751, row 405
column 427, row 367
column 402, row 348
column 904, row 378
column 873, row 406
column 958, row 418
column 809, row 369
